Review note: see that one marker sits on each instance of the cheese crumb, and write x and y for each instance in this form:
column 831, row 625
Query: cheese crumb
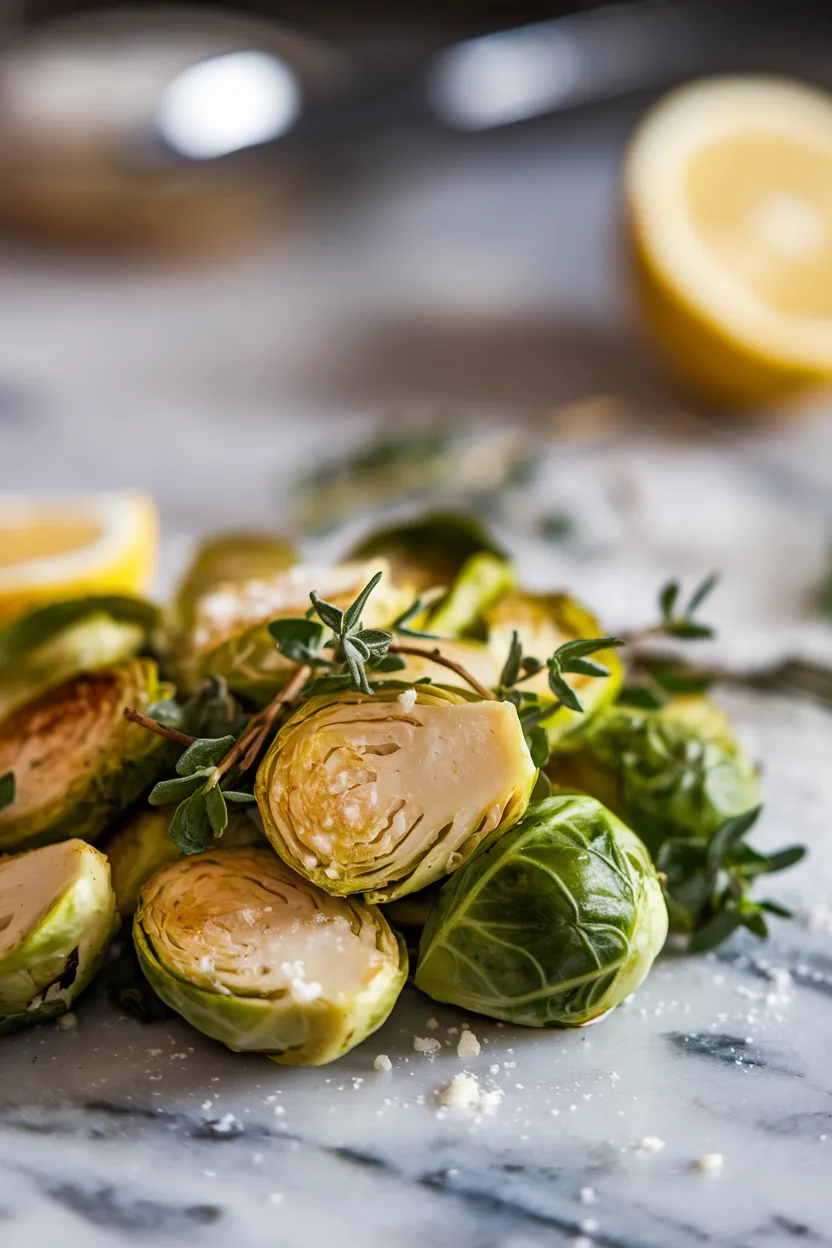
column 650, row 1144
column 469, row 1045
column 426, row 1044
column 432, row 1024
column 407, row 700
column 68, row 1022
column 708, row 1163
column 464, row 1093
column 383, row 1062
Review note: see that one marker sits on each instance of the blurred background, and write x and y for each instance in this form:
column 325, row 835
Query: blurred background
column 291, row 264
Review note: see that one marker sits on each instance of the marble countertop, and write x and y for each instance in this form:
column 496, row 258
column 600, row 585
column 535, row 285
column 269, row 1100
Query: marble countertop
column 209, row 389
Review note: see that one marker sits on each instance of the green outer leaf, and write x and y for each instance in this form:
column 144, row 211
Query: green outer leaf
column 207, row 752
column 6, row 789
column 549, row 924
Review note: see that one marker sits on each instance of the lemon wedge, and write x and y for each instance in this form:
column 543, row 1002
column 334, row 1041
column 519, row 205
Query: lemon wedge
column 728, row 185
column 60, row 547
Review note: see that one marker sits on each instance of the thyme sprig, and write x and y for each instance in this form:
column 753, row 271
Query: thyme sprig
column 658, row 676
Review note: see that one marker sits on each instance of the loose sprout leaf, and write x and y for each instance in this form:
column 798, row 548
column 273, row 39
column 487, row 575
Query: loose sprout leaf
column 207, row 752
column 6, row 789
column 511, row 668
column 297, row 639
column 667, row 599
column 216, row 810
column 331, row 615
column 171, row 792
column 701, row 593
column 352, row 615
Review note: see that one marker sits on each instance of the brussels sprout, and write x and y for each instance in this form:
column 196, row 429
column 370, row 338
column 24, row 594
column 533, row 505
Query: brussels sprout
column 385, row 794
column 78, row 763
column 481, row 582
column 231, row 637
column 258, row 958
column 672, row 772
column 225, row 560
column 430, row 551
column 45, row 646
column 543, row 622
column 57, row 918
column 142, row 844
column 551, row 923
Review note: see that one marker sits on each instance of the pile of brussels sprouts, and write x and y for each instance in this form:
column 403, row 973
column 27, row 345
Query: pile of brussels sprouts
column 293, row 777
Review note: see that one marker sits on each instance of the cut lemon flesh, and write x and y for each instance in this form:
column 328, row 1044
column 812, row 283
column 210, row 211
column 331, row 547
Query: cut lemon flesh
column 54, row 548
column 728, row 184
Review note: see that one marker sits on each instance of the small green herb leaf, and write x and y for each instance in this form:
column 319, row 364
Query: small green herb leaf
column 171, row 792
column 207, row 752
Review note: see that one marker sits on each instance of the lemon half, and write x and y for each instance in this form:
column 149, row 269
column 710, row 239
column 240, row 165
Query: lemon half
column 728, row 184
column 59, row 547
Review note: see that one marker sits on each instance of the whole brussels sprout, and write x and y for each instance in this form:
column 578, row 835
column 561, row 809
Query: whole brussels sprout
column 142, row 844
column 48, row 644
column 230, row 637
column 260, row 959
column 57, row 918
column 77, row 762
column 671, row 772
column 383, row 795
column 543, row 622
column 430, row 551
column 551, row 923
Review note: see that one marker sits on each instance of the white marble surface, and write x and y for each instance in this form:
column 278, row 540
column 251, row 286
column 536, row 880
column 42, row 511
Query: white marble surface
column 487, row 276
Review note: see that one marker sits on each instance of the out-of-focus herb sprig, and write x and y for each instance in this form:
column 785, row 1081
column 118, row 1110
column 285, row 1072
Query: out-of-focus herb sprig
column 706, row 882
column 659, row 676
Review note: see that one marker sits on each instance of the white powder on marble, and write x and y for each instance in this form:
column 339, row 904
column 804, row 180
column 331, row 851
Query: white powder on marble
column 426, row 1044
column 469, row 1045
column 650, row 1144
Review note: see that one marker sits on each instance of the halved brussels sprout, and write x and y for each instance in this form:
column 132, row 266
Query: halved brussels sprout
column 383, row 795
column 552, row 923
column 672, row 772
column 48, row 644
column 228, row 559
column 544, row 622
column 57, row 918
column 142, row 844
column 77, row 762
column 430, row 551
column 260, row 959
column 230, row 636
